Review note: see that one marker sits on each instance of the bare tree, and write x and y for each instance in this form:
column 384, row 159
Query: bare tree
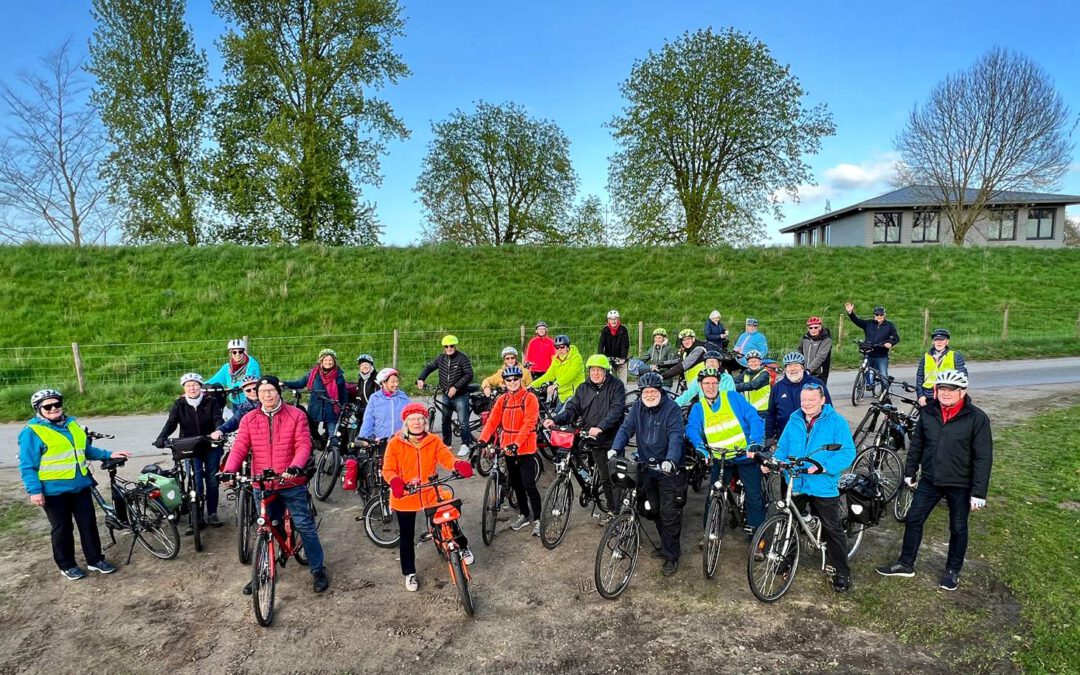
column 50, row 154
column 998, row 126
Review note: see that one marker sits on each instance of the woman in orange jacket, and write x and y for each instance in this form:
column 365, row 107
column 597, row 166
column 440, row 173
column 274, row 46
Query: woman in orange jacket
column 411, row 458
column 514, row 417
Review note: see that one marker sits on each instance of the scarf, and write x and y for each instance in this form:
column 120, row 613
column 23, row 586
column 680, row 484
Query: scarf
column 235, row 368
column 194, row 402
column 614, row 329
column 271, row 413
column 329, row 380
column 952, row 411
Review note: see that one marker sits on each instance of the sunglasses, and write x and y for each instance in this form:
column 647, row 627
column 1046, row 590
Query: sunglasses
column 236, row 351
column 509, row 357
column 450, row 347
column 814, row 327
column 812, row 385
column 562, row 347
column 512, row 378
column 49, row 407
column 248, row 390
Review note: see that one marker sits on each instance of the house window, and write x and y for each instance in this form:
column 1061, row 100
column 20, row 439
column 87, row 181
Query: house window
column 1002, row 225
column 825, row 235
column 887, row 227
column 798, row 238
column 813, row 237
column 925, row 229
column 1040, row 224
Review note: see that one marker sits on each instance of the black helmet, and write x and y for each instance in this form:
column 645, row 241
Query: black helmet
column 650, row 380
column 940, row 332
column 708, row 372
column 714, row 354
column 562, row 340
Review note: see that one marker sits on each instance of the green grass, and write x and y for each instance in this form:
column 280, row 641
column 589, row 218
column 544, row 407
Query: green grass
column 122, row 303
column 1020, row 591
column 13, row 518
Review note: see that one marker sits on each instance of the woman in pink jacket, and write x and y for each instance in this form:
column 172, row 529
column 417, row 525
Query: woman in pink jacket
column 540, row 351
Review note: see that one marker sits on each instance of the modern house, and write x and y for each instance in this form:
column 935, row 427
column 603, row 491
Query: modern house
column 911, row 216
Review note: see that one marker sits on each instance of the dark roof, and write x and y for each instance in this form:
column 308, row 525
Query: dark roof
column 915, row 196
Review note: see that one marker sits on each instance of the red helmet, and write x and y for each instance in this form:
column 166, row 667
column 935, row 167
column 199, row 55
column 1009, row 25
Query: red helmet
column 814, row 321
column 413, row 409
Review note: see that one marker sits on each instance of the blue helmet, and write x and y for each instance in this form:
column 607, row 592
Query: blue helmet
column 562, row 340
column 511, row 371
column 794, row 357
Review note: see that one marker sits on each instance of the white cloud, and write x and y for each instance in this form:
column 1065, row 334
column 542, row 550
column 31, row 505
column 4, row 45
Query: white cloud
column 873, row 174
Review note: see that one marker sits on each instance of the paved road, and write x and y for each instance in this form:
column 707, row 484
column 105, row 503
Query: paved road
column 135, row 432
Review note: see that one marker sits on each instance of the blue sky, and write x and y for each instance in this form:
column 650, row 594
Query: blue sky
column 563, row 61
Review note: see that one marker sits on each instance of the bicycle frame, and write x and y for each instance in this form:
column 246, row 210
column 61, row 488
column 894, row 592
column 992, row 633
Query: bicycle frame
column 123, row 489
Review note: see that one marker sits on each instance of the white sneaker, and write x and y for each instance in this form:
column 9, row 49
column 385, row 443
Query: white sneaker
column 521, row 522
column 536, row 528
column 467, row 557
column 411, row 584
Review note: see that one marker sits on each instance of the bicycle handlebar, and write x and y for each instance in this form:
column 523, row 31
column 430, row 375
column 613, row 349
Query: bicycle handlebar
column 433, row 482
column 94, row 435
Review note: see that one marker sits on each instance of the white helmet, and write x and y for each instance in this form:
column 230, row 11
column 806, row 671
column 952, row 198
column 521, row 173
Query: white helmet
column 190, row 377
column 44, row 395
column 509, row 350
column 238, row 343
column 952, row 378
column 715, row 314
column 613, row 314
column 383, row 375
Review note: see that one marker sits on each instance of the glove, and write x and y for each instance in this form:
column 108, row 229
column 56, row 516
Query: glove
column 666, row 466
column 294, row 470
column 977, row 503
column 463, row 468
column 397, row 487
column 159, row 443
column 910, row 481
column 611, row 454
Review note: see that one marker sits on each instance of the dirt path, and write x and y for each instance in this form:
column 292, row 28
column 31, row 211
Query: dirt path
column 536, row 609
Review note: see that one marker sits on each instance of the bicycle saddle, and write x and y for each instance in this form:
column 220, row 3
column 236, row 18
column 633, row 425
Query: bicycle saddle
column 113, row 463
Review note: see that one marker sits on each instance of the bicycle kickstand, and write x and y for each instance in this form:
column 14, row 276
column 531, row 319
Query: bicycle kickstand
column 112, row 536
column 131, row 550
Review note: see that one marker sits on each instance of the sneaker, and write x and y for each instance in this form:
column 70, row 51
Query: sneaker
column 73, row 574
column 320, row 582
column 949, row 581
column 189, row 531
column 670, row 567
column 102, row 566
column 536, row 528
column 521, row 522
column 213, row 521
column 467, row 557
column 411, row 584
column 657, row 554
column 896, row 569
column 247, row 589
column 841, row 584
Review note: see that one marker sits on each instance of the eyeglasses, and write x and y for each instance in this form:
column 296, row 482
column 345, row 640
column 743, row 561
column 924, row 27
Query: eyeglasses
column 236, row 351
column 509, row 357
column 49, row 407
column 512, row 378
column 812, row 385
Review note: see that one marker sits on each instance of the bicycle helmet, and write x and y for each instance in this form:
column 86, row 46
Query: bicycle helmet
column 190, row 377
column 713, row 354
column 327, row 352
column 413, row 409
column 541, row 324
column 238, row 343
column 250, row 379
column 509, row 350
column 751, row 321
column 650, row 380
column 562, row 340
column 659, row 331
column 450, row 341
column 752, row 354
column 598, row 361
column 715, row 314
column 708, row 372
column 794, row 357
column 879, row 311
column 813, row 321
column 613, row 314
column 511, row 371
column 365, row 357
column 383, row 375
column 940, row 333
column 687, row 333
column 952, row 378
column 44, row 395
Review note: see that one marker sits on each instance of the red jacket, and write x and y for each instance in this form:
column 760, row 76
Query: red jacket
column 539, row 353
column 515, row 416
column 274, row 443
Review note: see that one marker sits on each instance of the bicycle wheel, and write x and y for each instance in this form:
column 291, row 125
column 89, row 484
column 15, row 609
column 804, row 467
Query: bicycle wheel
column 886, row 463
column 714, row 534
column 457, row 571
column 866, row 429
column 774, row 558
column 326, row 475
column 380, row 523
column 490, row 516
column 858, row 387
column 485, row 462
column 616, row 556
column 156, row 532
column 903, row 502
column 853, row 529
column 263, row 580
column 245, row 525
column 555, row 511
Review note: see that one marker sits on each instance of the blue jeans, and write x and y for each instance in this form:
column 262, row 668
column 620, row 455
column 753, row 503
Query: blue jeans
column 750, row 473
column 205, row 470
column 296, row 499
column 460, row 405
column 927, row 495
column 878, row 363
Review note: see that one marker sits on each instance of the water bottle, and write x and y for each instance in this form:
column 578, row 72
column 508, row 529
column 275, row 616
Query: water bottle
column 584, row 474
column 352, row 470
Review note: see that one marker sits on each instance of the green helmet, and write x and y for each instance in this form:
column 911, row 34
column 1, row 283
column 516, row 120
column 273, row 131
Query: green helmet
column 705, row 373
column 327, row 352
column 450, row 341
column 598, row 361
column 687, row 333
column 659, row 331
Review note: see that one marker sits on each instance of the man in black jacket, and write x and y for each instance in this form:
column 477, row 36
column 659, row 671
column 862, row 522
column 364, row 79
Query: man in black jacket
column 615, row 344
column 596, row 408
column 953, row 447
column 881, row 333
column 657, row 422
column 455, row 375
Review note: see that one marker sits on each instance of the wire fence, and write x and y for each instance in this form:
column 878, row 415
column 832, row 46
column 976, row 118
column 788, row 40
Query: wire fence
column 290, row 357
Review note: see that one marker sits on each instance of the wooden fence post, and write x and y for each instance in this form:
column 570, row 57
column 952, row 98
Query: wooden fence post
column 925, row 326
column 640, row 338
column 78, row 367
column 1005, row 324
column 523, row 343
column 1078, row 324
column 394, row 350
column 840, row 333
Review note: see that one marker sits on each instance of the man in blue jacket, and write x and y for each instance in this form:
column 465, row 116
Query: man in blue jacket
column 53, row 456
column 785, row 395
column 814, row 425
column 657, row 422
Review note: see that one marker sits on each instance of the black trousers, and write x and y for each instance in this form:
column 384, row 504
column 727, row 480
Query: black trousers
column 599, row 456
column 827, row 509
column 522, row 473
column 667, row 494
column 407, row 543
column 61, row 509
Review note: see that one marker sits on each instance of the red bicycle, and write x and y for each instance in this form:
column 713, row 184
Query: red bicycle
column 442, row 528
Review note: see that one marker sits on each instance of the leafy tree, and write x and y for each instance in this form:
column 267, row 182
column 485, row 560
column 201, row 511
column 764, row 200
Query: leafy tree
column 152, row 93
column 1072, row 232
column 296, row 129
column 496, row 176
column 713, row 129
column 997, row 126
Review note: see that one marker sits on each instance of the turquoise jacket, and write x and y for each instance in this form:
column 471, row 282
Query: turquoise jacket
column 748, row 341
column 228, row 381
column 694, row 390
column 31, row 448
column 830, row 427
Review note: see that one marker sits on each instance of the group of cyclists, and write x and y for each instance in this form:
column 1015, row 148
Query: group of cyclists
column 703, row 395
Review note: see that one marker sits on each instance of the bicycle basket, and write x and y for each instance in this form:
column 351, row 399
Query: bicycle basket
column 562, row 439
column 189, row 447
column 865, row 498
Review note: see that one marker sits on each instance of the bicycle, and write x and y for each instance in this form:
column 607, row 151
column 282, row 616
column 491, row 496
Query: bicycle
column 246, row 512
column 904, row 497
column 438, row 403
column 858, row 387
column 869, row 422
column 319, row 435
column 380, row 522
column 137, row 508
column 548, row 407
column 328, row 467
column 270, row 534
column 497, row 491
column 620, row 546
column 574, row 459
column 184, row 451
column 443, row 530
column 723, row 508
column 775, row 547
column 881, row 459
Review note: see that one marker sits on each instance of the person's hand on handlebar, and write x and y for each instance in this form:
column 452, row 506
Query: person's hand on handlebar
column 160, row 442
column 666, row 466
column 753, row 450
column 420, row 385
column 216, row 435
column 463, row 468
column 595, row 432
column 293, row 471
column 451, row 392
column 548, row 423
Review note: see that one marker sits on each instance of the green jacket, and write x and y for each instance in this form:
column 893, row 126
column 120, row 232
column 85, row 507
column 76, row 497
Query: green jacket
column 568, row 373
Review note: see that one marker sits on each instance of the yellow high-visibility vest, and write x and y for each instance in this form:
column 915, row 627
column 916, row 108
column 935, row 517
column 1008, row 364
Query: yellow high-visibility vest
column 931, row 368
column 759, row 398
column 61, row 456
column 722, row 428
